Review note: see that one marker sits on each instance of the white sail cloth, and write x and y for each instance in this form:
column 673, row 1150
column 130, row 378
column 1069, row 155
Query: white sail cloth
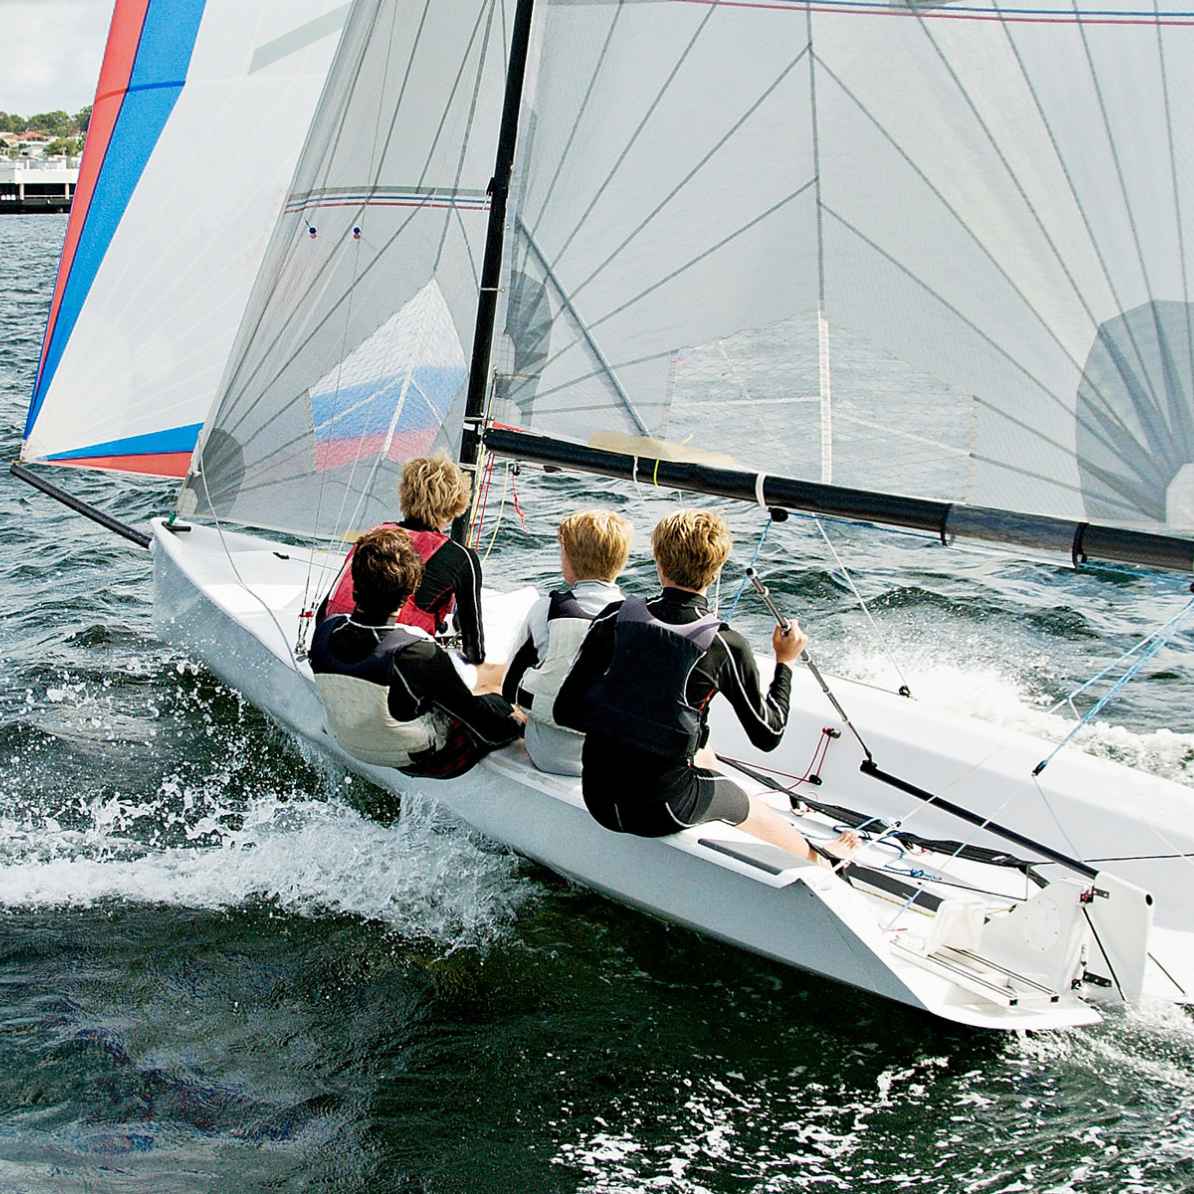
column 352, row 353
column 985, row 204
column 199, row 117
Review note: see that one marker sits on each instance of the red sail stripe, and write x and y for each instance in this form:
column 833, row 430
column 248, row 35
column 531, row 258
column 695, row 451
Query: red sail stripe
column 124, row 36
column 151, row 464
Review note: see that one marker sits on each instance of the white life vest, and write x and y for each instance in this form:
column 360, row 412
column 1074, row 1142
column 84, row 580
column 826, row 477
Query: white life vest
column 356, row 700
column 567, row 625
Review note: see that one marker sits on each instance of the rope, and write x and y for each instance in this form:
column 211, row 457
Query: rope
column 969, row 841
column 482, row 501
column 1144, row 651
column 240, row 579
column 904, row 689
column 754, row 559
column 497, row 526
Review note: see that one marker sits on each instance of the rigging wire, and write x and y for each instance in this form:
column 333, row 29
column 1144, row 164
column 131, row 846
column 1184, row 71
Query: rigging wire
column 754, row 559
column 1144, row 651
column 904, row 690
column 304, row 620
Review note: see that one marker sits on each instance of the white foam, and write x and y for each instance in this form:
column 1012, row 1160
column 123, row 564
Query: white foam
column 985, row 692
column 422, row 877
column 210, row 838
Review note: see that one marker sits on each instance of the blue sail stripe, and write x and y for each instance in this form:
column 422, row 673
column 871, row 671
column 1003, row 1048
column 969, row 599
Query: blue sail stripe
column 164, row 52
column 171, row 439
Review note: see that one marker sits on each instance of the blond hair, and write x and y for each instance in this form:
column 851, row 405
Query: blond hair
column 433, row 490
column 691, row 546
column 597, row 543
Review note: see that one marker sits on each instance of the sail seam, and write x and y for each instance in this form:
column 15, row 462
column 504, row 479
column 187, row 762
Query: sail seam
column 1081, row 208
column 366, row 270
column 982, row 247
column 692, row 173
column 642, row 124
column 873, row 10
column 679, row 270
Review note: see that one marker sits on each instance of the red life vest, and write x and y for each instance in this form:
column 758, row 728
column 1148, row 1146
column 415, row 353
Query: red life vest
column 342, row 600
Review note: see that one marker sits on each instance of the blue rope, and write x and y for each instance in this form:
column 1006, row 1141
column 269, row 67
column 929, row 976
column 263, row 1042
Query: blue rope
column 754, row 559
column 1144, row 651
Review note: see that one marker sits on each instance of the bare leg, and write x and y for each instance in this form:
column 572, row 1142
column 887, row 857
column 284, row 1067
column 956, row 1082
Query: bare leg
column 489, row 678
column 768, row 825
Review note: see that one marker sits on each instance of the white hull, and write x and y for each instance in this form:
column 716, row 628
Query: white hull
column 782, row 909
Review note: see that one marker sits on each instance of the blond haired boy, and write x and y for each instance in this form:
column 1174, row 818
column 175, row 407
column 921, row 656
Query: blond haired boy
column 433, row 491
column 594, row 547
column 640, row 691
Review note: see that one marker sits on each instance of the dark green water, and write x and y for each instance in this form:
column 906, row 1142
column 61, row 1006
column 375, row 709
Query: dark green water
column 216, row 974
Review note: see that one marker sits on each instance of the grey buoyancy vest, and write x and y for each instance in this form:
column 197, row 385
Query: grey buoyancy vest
column 355, row 695
column 642, row 698
column 567, row 625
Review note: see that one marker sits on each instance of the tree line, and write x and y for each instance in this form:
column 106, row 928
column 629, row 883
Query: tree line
column 53, row 124
column 66, row 132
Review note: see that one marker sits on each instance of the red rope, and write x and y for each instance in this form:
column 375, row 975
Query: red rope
column 522, row 518
column 813, row 768
column 482, row 501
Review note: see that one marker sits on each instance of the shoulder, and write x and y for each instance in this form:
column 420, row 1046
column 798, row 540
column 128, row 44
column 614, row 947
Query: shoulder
column 326, row 627
column 733, row 642
column 610, row 610
column 423, row 649
column 461, row 551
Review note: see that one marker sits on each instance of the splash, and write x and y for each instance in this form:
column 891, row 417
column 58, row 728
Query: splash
column 992, row 694
column 423, row 878
column 240, row 817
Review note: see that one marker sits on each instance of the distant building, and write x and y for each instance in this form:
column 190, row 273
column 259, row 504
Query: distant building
column 37, row 186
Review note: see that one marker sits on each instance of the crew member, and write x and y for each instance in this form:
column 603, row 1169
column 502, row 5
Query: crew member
column 392, row 695
column 640, row 690
column 594, row 546
column 433, row 491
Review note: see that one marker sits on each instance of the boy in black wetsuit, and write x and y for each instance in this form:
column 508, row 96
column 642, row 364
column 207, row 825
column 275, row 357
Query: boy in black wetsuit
column 640, row 690
column 392, row 696
column 432, row 493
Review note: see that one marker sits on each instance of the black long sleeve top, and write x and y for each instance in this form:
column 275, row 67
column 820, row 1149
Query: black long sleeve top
column 454, row 569
column 421, row 678
column 727, row 667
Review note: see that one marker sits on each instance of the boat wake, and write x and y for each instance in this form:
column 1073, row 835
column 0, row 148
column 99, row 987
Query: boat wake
column 213, row 836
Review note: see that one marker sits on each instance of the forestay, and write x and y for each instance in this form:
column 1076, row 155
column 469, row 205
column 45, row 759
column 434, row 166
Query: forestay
column 199, row 117
column 353, row 352
column 929, row 250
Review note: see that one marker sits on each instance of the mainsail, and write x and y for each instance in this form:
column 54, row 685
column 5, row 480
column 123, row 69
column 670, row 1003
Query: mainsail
column 351, row 355
column 199, row 116
column 974, row 215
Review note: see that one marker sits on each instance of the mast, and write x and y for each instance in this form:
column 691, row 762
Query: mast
column 1081, row 541
column 491, row 266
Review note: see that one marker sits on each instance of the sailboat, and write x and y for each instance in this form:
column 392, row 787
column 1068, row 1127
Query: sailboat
column 948, row 237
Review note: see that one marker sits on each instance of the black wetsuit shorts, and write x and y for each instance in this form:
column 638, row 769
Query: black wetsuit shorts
column 639, row 796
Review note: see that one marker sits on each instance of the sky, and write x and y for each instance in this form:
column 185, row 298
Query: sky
column 53, row 50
